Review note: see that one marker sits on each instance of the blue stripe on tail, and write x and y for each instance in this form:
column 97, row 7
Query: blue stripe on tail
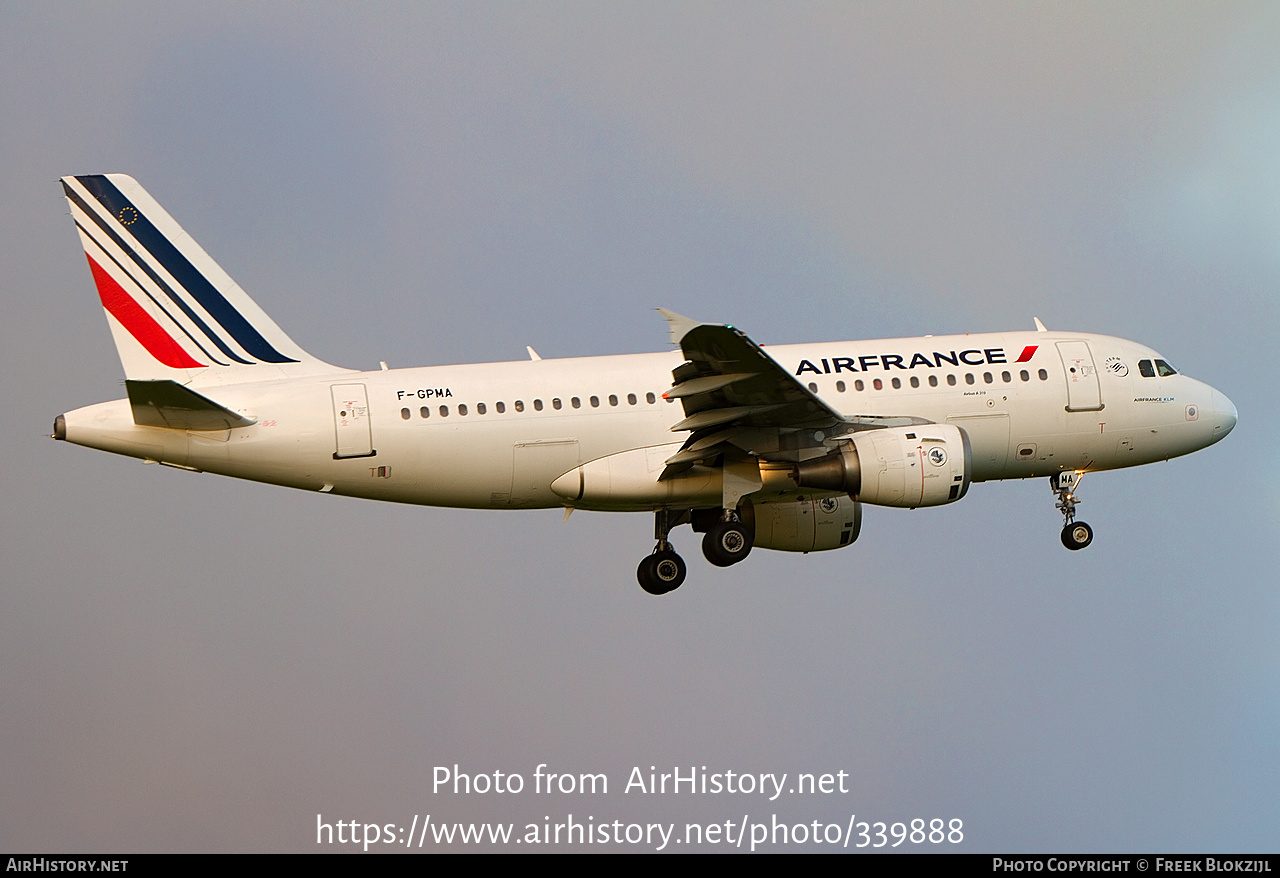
column 182, row 270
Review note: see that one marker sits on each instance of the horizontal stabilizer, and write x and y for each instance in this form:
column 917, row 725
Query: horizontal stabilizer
column 169, row 404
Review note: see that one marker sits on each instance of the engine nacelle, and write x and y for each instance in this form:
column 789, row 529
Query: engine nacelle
column 926, row 465
column 808, row 525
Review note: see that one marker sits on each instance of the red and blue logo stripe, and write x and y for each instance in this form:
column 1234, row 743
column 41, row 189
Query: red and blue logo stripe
column 163, row 276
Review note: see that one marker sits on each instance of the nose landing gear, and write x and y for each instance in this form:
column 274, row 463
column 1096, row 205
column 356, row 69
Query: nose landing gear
column 1075, row 534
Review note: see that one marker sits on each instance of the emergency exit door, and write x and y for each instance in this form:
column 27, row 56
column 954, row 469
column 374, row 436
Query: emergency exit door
column 1083, row 393
column 351, row 421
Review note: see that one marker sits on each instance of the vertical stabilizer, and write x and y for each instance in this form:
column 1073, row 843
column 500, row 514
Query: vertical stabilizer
column 174, row 313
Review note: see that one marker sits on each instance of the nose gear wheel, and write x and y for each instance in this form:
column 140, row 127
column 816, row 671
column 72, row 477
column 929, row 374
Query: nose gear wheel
column 1075, row 534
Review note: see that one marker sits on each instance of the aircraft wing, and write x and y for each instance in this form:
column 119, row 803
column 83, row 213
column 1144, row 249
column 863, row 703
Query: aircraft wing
column 729, row 379
column 739, row 401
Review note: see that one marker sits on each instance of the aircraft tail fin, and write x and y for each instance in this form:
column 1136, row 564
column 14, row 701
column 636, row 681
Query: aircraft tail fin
column 174, row 313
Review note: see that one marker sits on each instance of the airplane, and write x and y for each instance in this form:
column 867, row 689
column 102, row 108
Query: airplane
column 775, row 448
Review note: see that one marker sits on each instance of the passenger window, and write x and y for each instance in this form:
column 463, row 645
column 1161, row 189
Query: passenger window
column 500, row 406
column 444, row 411
column 1044, row 376
column 951, row 380
column 480, row 408
column 915, row 382
column 537, row 405
column 986, row 378
column 613, row 399
column 878, row 384
column 1024, row 375
column 595, row 402
column 650, row 398
column 425, row 411
column 813, row 388
column 1164, row 370
column 576, row 403
column 555, row 403
column 519, row 405
column 631, row 399
column 897, row 384
column 968, row 377
column 858, row 385
column 933, row 380
column 1006, row 377
column 404, row 413
column 462, row 409
column 839, row 387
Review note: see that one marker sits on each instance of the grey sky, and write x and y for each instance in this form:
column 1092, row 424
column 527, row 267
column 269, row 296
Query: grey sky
column 194, row 663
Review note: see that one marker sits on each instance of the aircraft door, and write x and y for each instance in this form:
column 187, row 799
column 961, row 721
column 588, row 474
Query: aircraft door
column 1083, row 393
column 351, row 421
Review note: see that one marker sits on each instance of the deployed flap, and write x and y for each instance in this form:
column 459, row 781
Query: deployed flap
column 738, row 400
column 169, row 404
column 729, row 379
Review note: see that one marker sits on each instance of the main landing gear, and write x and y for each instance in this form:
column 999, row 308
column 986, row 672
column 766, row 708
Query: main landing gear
column 663, row 570
column 1075, row 534
column 728, row 540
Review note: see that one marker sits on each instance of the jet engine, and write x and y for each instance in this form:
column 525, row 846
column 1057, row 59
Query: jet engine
column 811, row 524
column 926, row 465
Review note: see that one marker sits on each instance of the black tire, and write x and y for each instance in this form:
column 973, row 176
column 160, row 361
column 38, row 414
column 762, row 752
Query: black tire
column 661, row 572
column 645, row 576
column 1077, row 535
column 726, row 543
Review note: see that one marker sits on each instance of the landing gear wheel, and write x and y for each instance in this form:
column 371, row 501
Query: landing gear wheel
column 1077, row 535
column 661, row 572
column 726, row 543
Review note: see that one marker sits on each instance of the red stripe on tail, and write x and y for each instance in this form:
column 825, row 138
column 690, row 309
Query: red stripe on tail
column 141, row 325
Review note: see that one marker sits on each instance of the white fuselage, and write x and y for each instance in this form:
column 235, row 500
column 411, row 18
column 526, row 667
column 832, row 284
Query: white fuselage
column 499, row 435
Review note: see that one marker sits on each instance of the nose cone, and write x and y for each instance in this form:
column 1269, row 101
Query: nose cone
column 1223, row 416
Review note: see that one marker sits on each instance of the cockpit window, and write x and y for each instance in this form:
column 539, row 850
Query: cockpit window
column 1145, row 368
column 1164, row 370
